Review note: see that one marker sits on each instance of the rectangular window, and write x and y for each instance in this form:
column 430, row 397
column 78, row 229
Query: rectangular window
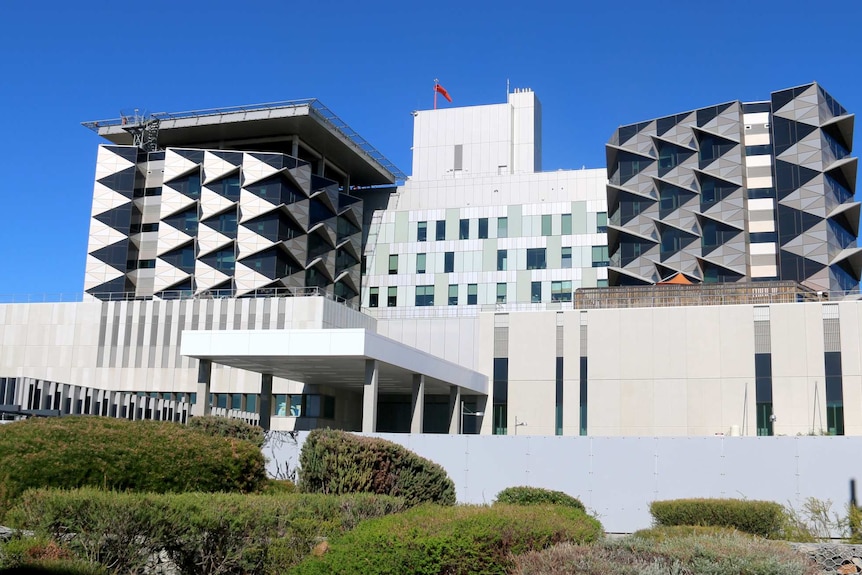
column 602, row 283
column 464, row 230
column 763, row 392
column 558, row 399
column 535, row 292
column 453, row 294
column 502, row 258
column 566, row 260
column 501, row 293
column 449, row 262
column 561, row 290
column 501, row 395
column 441, row 230
column 392, row 296
column 459, row 157
column 502, row 227
column 420, row 263
column 472, row 294
column 483, row 228
column 583, row 396
column 600, row 256
column 566, row 224
column 424, row 295
column 602, row 222
column 546, row 225
column 393, row 264
column 536, row 259
column 834, row 393
column 374, row 297
column 421, row 231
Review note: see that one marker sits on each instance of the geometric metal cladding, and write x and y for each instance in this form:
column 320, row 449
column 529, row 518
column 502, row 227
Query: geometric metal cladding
column 235, row 222
column 678, row 195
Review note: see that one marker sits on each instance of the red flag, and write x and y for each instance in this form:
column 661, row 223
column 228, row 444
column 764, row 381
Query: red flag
column 442, row 90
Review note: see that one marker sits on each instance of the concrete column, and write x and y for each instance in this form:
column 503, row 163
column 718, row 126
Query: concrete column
column 369, row 396
column 205, row 372
column 454, row 410
column 265, row 403
column 417, row 416
column 294, row 147
column 321, row 167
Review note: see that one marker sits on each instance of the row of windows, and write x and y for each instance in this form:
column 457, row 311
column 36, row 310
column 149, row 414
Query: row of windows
column 503, row 227
column 424, row 296
column 536, row 260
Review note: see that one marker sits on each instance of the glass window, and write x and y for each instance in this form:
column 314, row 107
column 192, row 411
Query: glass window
column 561, row 290
column 236, row 401
column 295, row 406
column 424, row 295
column 535, row 292
column 501, row 260
column 393, row 264
column 279, row 405
column 453, row 294
column 601, row 283
column 374, row 297
column 546, row 225
column 536, row 259
column 566, row 254
column 449, row 262
column 483, row 228
column 392, row 296
column 601, row 222
column 420, row 263
column 566, row 224
column 421, row 231
column 600, row 256
column 472, row 294
column 441, row 230
column 501, row 293
column 502, row 227
column 464, row 230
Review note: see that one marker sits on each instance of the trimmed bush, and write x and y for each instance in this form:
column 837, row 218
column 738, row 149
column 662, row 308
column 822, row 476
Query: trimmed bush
column 225, row 427
column 763, row 518
column 200, row 532
column 537, row 496
column 70, row 452
column 677, row 531
column 725, row 553
column 336, row 462
column 435, row 540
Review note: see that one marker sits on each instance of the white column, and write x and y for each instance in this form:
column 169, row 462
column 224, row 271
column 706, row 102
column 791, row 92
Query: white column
column 454, row 409
column 203, row 406
column 417, row 416
column 369, row 396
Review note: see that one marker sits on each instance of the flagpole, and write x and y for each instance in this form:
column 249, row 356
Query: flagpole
column 436, row 81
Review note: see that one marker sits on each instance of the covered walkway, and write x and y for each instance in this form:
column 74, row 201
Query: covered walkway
column 351, row 359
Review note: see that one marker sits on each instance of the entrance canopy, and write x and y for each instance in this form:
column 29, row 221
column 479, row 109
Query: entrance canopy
column 333, row 357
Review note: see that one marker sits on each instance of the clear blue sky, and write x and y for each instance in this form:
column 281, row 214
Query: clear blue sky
column 593, row 65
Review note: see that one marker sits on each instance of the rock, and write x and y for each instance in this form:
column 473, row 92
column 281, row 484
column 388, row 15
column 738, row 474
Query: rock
column 847, row 569
column 5, row 533
column 857, row 562
column 320, row 549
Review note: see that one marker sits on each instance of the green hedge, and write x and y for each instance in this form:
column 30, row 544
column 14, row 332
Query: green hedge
column 68, row 452
column 224, row 427
column 200, row 532
column 336, row 462
column 537, row 496
column 763, row 518
column 461, row 540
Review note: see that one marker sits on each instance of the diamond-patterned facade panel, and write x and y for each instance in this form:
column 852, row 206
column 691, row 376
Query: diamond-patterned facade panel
column 805, row 150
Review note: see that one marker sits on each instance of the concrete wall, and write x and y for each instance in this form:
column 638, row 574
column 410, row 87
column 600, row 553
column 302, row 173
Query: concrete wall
column 617, row 477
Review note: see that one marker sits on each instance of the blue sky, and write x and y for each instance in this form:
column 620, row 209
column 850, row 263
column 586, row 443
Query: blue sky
column 593, row 65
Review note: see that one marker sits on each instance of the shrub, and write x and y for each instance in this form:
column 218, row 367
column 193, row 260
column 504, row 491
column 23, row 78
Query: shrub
column 199, row 532
column 537, row 496
column 225, row 427
column 721, row 553
column 763, row 518
column 431, row 540
column 69, row 452
column 336, row 462
column 677, row 531
column 278, row 487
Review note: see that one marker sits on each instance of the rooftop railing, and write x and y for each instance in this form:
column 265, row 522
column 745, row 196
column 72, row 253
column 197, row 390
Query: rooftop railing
column 178, row 295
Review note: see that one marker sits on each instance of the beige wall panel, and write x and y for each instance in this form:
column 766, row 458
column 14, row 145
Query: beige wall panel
column 701, row 347
column 603, row 407
column 603, row 349
column 670, row 406
column 532, row 402
column 637, row 344
column 704, row 406
column 669, row 336
column 737, row 341
column 636, row 400
column 532, row 349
